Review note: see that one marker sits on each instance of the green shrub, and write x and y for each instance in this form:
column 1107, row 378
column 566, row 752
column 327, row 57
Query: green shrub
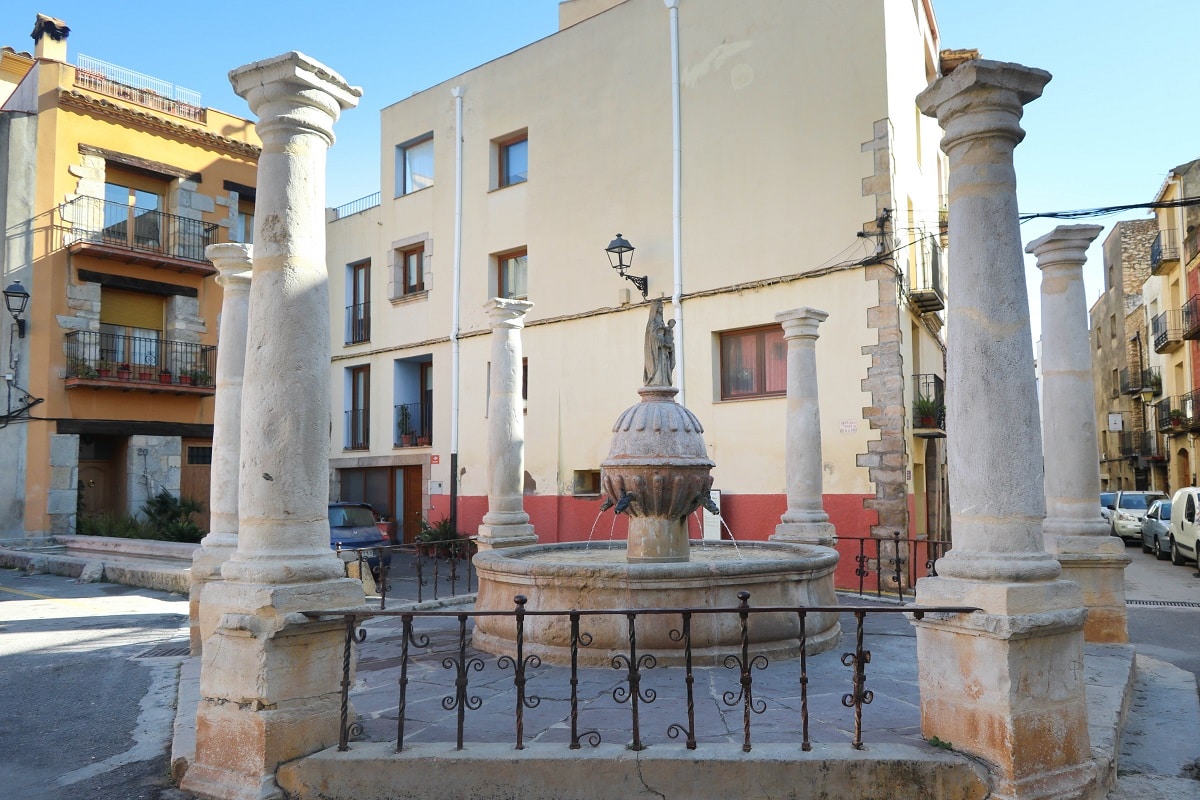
column 120, row 526
column 164, row 517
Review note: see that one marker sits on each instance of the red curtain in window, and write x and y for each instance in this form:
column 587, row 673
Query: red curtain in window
column 776, row 361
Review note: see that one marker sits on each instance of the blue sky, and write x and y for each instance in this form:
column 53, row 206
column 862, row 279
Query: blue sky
column 1115, row 118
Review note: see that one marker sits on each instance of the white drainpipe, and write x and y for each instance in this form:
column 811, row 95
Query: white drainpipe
column 457, row 91
column 677, row 197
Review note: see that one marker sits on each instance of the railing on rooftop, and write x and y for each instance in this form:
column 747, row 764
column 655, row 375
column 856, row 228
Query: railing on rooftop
column 355, row 206
column 95, row 221
column 734, row 679
column 126, row 84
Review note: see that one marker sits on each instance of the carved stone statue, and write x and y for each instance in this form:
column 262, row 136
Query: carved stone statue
column 660, row 347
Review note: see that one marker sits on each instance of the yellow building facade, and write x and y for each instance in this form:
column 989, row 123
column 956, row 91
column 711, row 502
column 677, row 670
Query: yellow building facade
column 114, row 183
column 805, row 177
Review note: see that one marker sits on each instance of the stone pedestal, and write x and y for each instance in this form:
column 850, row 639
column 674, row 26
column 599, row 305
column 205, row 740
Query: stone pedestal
column 805, row 519
column 234, row 263
column 270, row 678
column 1074, row 531
column 506, row 524
column 1004, row 684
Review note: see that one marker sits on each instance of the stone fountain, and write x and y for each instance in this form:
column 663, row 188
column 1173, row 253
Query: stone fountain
column 657, row 473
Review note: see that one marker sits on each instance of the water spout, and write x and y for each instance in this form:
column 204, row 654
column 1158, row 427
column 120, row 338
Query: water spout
column 623, row 503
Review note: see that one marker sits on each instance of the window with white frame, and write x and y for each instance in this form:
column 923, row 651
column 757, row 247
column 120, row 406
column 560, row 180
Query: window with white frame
column 414, row 165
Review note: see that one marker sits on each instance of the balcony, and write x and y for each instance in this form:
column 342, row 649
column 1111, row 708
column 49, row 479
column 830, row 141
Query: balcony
column 925, row 290
column 1133, row 381
column 358, row 429
column 414, row 425
column 1166, row 329
column 929, row 407
column 1190, row 405
column 1164, row 251
column 1140, row 444
column 1178, row 414
column 102, row 229
column 358, row 323
column 1191, row 318
column 108, row 361
column 134, row 87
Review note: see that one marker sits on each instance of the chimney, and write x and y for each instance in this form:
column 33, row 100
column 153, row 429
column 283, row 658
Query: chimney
column 50, row 38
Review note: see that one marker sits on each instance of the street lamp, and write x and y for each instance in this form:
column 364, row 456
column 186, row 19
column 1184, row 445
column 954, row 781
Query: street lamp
column 620, row 257
column 15, row 299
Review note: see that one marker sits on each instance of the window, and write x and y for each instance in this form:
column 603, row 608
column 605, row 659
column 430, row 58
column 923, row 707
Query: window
column 412, row 270
column 358, row 415
column 132, row 214
column 199, row 455
column 358, row 298
column 513, row 164
column 131, row 325
column 414, row 165
column 753, row 363
column 587, row 482
column 243, row 224
column 512, row 275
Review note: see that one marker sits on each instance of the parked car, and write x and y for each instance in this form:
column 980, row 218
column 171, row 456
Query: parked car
column 1156, row 530
column 1127, row 512
column 1184, row 525
column 352, row 527
column 1107, row 501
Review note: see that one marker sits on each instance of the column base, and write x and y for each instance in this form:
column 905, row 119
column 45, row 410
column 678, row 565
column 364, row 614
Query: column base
column 1005, row 684
column 494, row 537
column 1097, row 564
column 270, row 685
column 206, row 567
column 822, row 533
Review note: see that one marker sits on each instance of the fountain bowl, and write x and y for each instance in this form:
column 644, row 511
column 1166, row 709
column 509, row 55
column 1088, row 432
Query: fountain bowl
column 577, row 575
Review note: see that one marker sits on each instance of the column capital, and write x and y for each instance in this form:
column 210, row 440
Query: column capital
column 506, row 313
column 234, row 261
column 1066, row 245
column 982, row 98
column 801, row 322
column 293, row 93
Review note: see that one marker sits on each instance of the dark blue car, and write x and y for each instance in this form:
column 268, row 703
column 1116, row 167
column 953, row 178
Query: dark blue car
column 352, row 527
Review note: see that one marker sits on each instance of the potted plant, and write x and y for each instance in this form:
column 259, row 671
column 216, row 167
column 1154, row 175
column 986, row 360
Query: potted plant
column 164, row 376
column 200, row 377
column 104, row 368
column 145, row 372
column 80, row 368
column 388, row 527
column 123, row 371
column 405, row 427
column 1175, row 416
column 438, row 538
column 927, row 410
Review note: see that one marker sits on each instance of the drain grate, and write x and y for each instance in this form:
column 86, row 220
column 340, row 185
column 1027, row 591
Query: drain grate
column 168, row 650
column 1168, row 603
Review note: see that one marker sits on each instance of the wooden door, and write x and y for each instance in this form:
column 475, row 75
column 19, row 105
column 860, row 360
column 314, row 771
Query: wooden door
column 196, row 474
column 95, row 488
column 413, row 503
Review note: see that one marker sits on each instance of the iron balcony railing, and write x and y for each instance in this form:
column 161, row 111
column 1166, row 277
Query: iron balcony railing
column 126, row 84
column 358, row 323
column 1178, row 413
column 429, row 639
column 1190, row 405
column 1166, row 329
column 356, row 206
column 358, row 429
column 1191, row 318
column 925, row 277
column 414, row 424
column 1134, row 380
column 90, row 219
column 1164, row 250
column 1139, row 444
column 92, row 355
column 929, row 401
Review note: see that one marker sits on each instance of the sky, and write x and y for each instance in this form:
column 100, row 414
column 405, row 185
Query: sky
column 1115, row 118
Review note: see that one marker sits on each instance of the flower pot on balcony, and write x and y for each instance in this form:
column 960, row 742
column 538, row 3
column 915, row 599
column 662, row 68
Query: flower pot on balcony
column 422, row 441
column 928, row 422
column 407, row 440
column 185, row 380
column 164, row 377
column 146, row 374
column 123, row 373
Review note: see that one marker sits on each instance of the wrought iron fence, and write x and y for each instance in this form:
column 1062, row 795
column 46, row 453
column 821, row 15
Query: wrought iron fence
column 358, row 323
column 407, row 571
column 635, row 666
column 90, row 219
column 93, row 355
column 1164, row 249
column 1166, row 329
column 414, row 424
column 358, row 429
column 892, row 565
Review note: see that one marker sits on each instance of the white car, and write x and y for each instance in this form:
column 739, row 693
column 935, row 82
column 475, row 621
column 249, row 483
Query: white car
column 1184, row 525
column 1129, row 510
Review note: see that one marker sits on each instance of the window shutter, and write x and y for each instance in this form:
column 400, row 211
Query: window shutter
column 131, row 309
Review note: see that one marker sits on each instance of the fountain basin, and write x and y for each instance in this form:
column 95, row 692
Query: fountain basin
column 575, row 576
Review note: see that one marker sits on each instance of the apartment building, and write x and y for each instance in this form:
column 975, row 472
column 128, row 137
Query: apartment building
column 112, row 184
column 759, row 157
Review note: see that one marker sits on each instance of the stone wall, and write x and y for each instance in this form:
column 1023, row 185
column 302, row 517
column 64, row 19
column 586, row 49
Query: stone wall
column 152, row 464
column 63, row 497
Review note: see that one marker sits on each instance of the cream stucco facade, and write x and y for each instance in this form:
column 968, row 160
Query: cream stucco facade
column 807, row 178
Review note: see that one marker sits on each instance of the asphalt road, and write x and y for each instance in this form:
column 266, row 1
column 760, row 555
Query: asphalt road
column 84, row 716
column 88, row 715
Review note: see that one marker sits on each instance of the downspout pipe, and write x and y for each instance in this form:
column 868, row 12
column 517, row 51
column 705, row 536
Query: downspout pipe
column 457, row 92
column 677, row 198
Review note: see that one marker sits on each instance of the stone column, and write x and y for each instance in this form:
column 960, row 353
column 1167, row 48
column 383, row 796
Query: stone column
column 233, row 263
column 1005, row 683
column 269, row 677
column 506, row 524
column 805, row 519
column 1074, row 530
